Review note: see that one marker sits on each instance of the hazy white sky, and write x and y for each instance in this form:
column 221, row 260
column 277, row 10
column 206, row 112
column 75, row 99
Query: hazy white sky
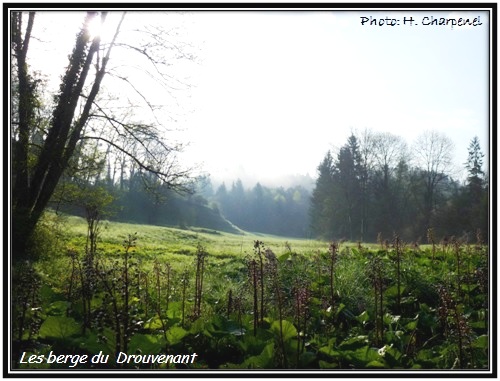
column 273, row 91
column 277, row 90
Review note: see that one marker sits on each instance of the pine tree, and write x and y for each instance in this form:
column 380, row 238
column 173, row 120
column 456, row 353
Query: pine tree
column 349, row 175
column 474, row 167
column 476, row 194
column 321, row 209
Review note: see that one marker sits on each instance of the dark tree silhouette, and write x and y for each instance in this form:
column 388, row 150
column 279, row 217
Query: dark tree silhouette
column 41, row 156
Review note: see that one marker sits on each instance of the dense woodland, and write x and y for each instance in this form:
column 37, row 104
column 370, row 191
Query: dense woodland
column 261, row 209
column 377, row 184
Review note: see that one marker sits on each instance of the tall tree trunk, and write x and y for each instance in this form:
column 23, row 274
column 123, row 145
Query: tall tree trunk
column 64, row 132
column 25, row 106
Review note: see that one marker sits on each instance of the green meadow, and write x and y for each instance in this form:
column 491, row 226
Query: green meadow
column 248, row 301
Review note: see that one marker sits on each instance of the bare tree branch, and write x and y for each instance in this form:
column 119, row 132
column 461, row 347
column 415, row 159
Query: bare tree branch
column 170, row 175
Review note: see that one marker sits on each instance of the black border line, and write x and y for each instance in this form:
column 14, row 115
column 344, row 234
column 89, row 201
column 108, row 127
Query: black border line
column 258, row 6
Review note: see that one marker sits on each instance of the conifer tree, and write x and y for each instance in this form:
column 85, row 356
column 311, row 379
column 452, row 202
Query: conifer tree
column 474, row 167
column 322, row 203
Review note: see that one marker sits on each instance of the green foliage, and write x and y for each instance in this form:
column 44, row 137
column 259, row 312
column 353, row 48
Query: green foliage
column 149, row 298
column 277, row 211
column 46, row 241
column 59, row 327
column 285, row 329
column 369, row 188
column 146, row 344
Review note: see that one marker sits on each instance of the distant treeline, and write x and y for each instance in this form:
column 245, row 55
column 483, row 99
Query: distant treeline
column 377, row 186
column 277, row 211
column 140, row 198
column 136, row 200
column 374, row 186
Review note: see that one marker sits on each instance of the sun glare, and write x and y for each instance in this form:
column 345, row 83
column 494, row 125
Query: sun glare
column 95, row 26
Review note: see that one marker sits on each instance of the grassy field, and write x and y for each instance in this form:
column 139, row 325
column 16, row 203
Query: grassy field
column 180, row 244
column 173, row 240
column 252, row 301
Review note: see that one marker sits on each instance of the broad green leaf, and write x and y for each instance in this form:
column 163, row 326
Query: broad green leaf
column 412, row 325
column 306, row 358
column 392, row 291
column 354, row 343
column 356, row 359
column 288, row 329
column 284, row 257
column 363, row 355
column 262, row 361
column 48, row 294
column 393, row 357
column 375, row 364
column 329, row 350
column 175, row 310
column 57, row 308
column 154, row 323
column 363, row 317
column 59, row 327
column 339, row 309
column 327, row 365
column 175, row 335
column 481, row 342
column 201, row 326
column 90, row 342
column 252, row 344
column 146, row 344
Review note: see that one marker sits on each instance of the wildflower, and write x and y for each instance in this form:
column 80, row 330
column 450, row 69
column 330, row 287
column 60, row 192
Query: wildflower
column 382, row 350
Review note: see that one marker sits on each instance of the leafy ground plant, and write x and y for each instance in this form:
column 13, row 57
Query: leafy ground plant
column 257, row 305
